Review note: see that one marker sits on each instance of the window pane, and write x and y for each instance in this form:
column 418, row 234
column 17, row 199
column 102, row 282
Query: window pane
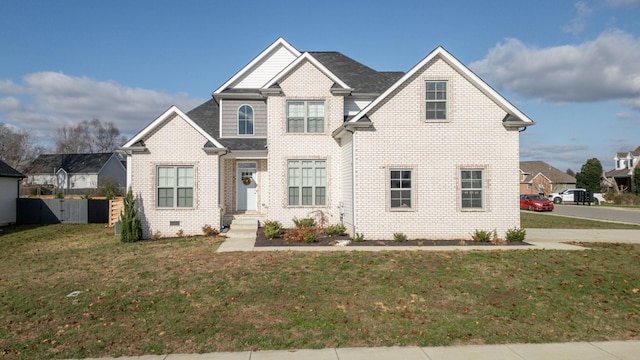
column 307, row 177
column 321, row 177
column 294, row 196
column 165, row 197
column 472, row 193
column 307, row 196
column 400, row 193
column 295, row 109
column 185, row 197
column 166, row 176
column 321, row 196
column 185, row 176
column 295, row 125
column 294, row 177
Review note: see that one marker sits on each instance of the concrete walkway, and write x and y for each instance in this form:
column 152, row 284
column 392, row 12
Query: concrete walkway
column 608, row 350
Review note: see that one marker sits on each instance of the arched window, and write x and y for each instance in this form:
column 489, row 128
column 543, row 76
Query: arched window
column 245, row 120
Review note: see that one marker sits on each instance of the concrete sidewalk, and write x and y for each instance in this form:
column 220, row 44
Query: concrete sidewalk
column 607, row 350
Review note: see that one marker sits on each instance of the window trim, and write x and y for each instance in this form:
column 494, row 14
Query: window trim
column 391, row 189
column 433, row 101
column 253, row 123
column 176, row 187
column 314, row 187
column 482, row 189
column 306, row 118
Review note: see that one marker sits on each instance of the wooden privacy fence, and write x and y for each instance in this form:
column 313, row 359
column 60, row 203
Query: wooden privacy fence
column 116, row 207
column 66, row 211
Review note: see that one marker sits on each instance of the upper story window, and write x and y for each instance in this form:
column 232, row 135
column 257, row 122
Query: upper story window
column 175, row 186
column 245, row 120
column 305, row 116
column 436, row 100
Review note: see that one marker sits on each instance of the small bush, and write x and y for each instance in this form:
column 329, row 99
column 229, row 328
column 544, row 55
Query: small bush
column 157, row 235
column 59, row 195
column 180, row 233
column 298, row 234
column 304, row 222
column 310, row 237
column 130, row 220
column 516, row 235
column 272, row 229
column 335, row 230
column 359, row 237
column 623, row 198
column 208, row 230
column 481, row 236
column 40, row 190
column 399, row 237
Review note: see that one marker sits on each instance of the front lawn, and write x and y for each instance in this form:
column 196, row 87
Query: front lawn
column 543, row 221
column 180, row 296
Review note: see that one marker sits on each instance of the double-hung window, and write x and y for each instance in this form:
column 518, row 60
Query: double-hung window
column 307, row 182
column 245, row 120
column 436, row 100
column 305, row 116
column 400, row 189
column 472, row 189
column 175, row 186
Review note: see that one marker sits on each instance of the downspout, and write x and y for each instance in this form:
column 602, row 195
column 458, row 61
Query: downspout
column 353, row 178
column 220, row 205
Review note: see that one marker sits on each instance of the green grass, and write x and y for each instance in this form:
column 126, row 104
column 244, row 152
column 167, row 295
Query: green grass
column 180, row 296
column 544, row 221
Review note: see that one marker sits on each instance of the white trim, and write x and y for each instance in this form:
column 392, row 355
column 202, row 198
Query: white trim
column 279, row 42
column 461, row 68
column 173, row 109
column 312, row 60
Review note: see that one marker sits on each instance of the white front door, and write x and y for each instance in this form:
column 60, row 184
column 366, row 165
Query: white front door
column 247, row 186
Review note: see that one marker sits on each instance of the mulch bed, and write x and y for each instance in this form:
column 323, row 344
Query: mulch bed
column 324, row 240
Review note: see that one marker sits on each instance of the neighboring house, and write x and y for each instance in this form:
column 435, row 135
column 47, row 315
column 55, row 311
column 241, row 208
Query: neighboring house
column 75, row 171
column 9, row 191
column 538, row 177
column 428, row 153
column 622, row 174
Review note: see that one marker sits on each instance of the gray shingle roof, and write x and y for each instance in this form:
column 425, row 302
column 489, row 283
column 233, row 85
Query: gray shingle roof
column 71, row 163
column 361, row 78
column 555, row 175
column 8, row 171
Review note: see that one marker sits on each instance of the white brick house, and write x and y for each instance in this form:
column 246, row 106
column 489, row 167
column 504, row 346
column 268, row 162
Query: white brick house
column 430, row 153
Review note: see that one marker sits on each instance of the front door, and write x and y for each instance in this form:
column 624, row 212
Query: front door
column 247, row 186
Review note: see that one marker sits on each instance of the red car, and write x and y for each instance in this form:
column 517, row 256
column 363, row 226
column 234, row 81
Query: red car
column 535, row 202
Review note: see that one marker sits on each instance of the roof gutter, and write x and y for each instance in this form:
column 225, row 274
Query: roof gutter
column 351, row 126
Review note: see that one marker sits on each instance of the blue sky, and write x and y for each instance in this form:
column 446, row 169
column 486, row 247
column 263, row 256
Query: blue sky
column 572, row 66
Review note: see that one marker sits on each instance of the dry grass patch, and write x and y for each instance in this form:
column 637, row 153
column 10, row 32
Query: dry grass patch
column 180, row 296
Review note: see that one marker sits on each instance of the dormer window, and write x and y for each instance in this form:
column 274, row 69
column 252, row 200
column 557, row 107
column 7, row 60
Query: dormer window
column 245, row 120
column 436, row 100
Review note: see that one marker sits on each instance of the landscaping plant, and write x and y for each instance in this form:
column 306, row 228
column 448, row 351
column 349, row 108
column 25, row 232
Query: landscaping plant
column 130, row 225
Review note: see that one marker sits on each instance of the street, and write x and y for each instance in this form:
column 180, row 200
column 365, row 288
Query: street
column 598, row 212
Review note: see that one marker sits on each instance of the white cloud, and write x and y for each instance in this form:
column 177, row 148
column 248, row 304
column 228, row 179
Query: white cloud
column 579, row 22
column 606, row 68
column 45, row 101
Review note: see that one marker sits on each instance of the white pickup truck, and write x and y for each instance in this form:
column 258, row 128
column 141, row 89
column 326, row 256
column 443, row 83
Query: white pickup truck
column 568, row 196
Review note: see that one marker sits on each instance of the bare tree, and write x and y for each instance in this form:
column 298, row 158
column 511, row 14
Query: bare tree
column 87, row 137
column 17, row 148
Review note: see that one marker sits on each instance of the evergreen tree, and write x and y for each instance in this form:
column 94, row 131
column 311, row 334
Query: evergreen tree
column 636, row 180
column 130, row 225
column 590, row 175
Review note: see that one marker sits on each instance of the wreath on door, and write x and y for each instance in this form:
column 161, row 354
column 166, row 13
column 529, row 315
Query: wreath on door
column 246, row 180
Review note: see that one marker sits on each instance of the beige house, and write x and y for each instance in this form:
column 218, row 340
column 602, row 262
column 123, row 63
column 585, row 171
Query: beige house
column 538, row 177
column 302, row 134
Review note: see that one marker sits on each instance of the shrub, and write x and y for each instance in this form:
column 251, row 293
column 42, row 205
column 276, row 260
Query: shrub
column 272, row 229
column 298, row 234
column 130, row 220
column 208, row 230
column 515, row 235
column 40, row 190
column 399, row 237
column 59, row 195
column 310, row 237
column 180, row 233
column 156, row 235
column 623, row 198
column 481, row 236
column 359, row 237
column 335, row 230
column 304, row 222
